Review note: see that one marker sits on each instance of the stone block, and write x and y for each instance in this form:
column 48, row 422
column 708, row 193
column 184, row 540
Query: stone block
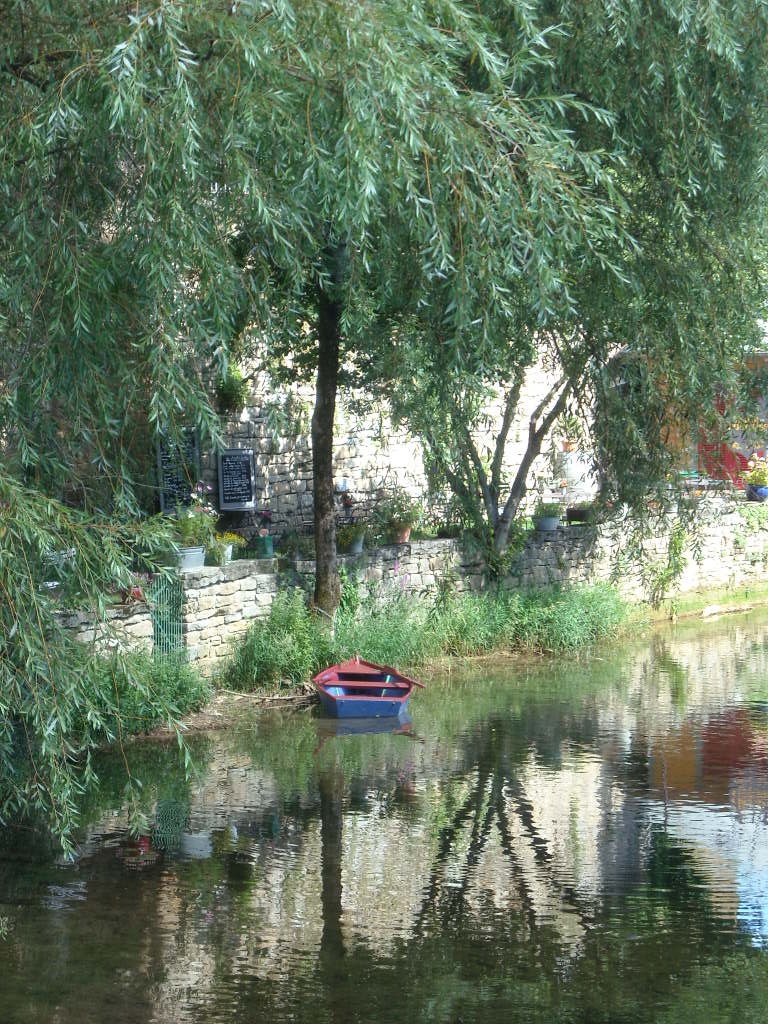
column 228, row 588
column 235, row 628
column 203, row 614
column 137, row 630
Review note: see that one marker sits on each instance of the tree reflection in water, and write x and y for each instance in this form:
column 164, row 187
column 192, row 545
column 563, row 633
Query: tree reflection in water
column 555, row 850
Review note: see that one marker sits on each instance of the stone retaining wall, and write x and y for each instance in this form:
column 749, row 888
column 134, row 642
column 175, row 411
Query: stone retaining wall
column 220, row 603
column 128, row 625
column 721, row 550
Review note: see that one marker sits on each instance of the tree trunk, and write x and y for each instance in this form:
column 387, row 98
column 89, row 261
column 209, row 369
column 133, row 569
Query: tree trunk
column 538, row 429
column 327, row 587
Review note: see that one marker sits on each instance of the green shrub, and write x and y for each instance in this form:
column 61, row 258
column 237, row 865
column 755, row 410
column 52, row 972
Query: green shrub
column 138, row 691
column 232, row 391
column 285, row 647
column 291, row 645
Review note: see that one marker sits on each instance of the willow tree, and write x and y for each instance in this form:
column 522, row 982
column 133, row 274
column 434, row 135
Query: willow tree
column 172, row 173
column 395, row 158
column 113, row 301
column 644, row 353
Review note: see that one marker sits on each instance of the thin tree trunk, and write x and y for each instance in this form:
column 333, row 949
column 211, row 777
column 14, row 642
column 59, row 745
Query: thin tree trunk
column 327, row 587
column 537, row 432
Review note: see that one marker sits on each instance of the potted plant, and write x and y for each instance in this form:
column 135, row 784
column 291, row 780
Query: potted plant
column 289, row 543
column 349, row 538
column 135, row 590
column 264, row 542
column 399, row 513
column 546, row 516
column 194, row 527
column 757, row 478
column 585, row 512
column 223, row 546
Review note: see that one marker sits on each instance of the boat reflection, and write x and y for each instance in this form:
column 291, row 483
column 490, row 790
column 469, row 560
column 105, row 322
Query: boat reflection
column 328, row 727
column 335, row 728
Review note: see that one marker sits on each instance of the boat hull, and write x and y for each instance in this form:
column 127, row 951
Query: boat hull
column 362, row 707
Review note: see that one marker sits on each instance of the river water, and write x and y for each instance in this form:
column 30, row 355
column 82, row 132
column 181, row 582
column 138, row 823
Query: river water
column 567, row 841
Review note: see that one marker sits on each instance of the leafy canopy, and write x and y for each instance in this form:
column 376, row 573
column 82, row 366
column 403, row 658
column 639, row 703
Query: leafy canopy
column 653, row 334
column 171, row 175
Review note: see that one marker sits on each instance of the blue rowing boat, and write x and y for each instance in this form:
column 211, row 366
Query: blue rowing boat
column 362, row 689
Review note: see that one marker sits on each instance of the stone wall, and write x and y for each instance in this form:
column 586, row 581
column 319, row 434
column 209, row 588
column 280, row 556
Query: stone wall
column 370, row 454
column 719, row 551
column 220, row 604
column 126, row 625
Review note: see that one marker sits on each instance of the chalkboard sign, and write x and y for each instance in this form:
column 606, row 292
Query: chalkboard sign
column 178, row 469
column 237, row 479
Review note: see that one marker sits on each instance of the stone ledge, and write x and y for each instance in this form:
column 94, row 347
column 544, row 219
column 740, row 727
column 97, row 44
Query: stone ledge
column 236, row 570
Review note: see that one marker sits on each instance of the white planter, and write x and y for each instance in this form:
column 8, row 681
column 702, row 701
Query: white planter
column 228, row 553
column 191, row 558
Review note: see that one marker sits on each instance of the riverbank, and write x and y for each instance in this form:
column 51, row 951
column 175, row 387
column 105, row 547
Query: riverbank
column 712, row 601
column 229, row 703
column 291, row 644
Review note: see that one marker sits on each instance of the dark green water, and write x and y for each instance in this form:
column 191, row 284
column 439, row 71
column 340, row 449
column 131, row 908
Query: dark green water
column 579, row 841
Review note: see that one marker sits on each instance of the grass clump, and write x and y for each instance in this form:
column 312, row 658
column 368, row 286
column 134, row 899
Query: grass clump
column 468, row 624
column 566, row 620
column 291, row 645
column 137, row 691
column 392, row 630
